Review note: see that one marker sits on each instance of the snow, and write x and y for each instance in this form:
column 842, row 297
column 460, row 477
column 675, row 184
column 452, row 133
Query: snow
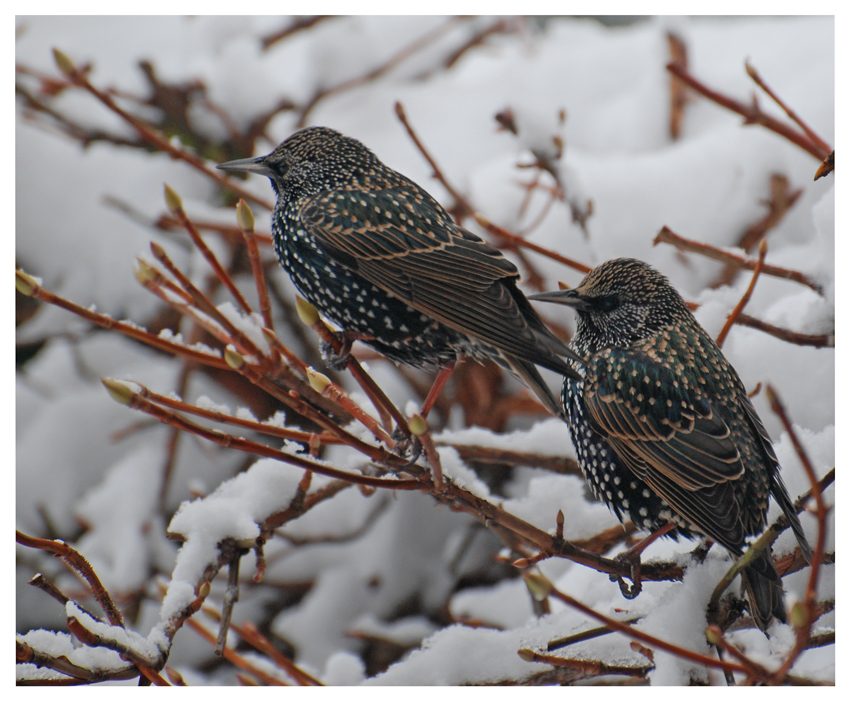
column 91, row 471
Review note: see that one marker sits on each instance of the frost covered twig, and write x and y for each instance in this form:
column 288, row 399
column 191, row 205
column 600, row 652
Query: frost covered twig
column 543, row 587
column 124, row 394
column 81, row 566
column 27, row 285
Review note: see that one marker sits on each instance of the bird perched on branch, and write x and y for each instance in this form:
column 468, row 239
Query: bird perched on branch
column 381, row 259
column 663, row 428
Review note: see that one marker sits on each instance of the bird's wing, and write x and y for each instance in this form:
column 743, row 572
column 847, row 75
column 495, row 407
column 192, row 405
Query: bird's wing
column 405, row 246
column 669, row 435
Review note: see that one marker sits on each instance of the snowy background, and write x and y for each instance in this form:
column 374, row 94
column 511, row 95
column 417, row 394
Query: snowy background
column 399, row 568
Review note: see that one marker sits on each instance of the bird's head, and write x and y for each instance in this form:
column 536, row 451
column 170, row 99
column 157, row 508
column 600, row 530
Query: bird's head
column 310, row 161
column 620, row 303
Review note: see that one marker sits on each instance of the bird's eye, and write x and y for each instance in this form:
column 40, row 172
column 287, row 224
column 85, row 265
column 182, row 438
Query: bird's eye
column 607, row 303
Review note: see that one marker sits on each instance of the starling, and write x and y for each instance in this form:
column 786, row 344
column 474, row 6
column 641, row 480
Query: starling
column 663, row 428
column 382, row 260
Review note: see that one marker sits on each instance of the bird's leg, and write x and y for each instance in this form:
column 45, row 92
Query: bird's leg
column 442, row 377
column 411, row 442
column 337, row 358
column 632, row 558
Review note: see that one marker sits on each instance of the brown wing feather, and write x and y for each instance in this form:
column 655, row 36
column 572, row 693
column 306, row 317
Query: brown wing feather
column 417, row 254
column 669, row 436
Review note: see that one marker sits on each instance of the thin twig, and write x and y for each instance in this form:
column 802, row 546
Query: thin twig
column 149, row 134
column 518, row 241
column 374, row 74
column 802, row 616
column 136, row 401
column 817, row 340
column 666, row 235
column 645, row 638
column 739, row 308
column 35, row 290
column 81, row 566
column 753, row 73
column 246, row 220
column 752, row 113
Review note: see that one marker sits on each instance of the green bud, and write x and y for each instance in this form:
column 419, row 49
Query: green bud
column 233, row 359
column 526, row 654
column 418, row 425
column 144, row 273
column 172, row 200
column 318, row 381
column 244, row 216
column 25, row 284
column 306, row 311
column 799, row 617
column 120, row 391
column 713, row 635
column 63, row 63
column 538, row 585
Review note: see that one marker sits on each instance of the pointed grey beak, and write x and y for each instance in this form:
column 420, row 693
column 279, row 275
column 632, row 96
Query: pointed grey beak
column 570, row 298
column 247, row 165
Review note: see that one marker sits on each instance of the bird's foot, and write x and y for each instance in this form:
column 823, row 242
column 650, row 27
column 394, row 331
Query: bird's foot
column 337, row 358
column 630, row 559
column 407, row 445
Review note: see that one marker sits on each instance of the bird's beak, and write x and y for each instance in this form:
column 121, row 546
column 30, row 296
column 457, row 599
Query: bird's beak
column 571, row 298
column 247, row 165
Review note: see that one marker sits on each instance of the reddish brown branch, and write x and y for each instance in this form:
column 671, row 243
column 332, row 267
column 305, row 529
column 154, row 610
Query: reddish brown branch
column 803, row 615
column 514, row 240
column 234, row 657
column 137, row 401
column 392, row 62
column 666, row 235
column 739, row 308
column 276, row 431
column 782, row 198
column 296, row 25
column 134, row 332
column 246, row 220
column 757, row 79
column 818, row 340
column 639, row 635
column 252, row 635
column 462, row 206
column 678, row 92
column 80, row 565
column 149, row 134
column 752, row 114
column 222, row 275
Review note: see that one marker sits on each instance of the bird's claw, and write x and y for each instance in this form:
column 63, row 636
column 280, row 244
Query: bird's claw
column 407, row 444
column 336, row 359
column 632, row 560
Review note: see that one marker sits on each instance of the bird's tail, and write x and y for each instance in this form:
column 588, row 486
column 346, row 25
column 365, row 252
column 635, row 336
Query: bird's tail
column 527, row 372
column 763, row 585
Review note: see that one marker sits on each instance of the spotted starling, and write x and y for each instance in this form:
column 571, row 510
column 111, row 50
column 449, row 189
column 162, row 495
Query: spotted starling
column 662, row 425
column 380, row 258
